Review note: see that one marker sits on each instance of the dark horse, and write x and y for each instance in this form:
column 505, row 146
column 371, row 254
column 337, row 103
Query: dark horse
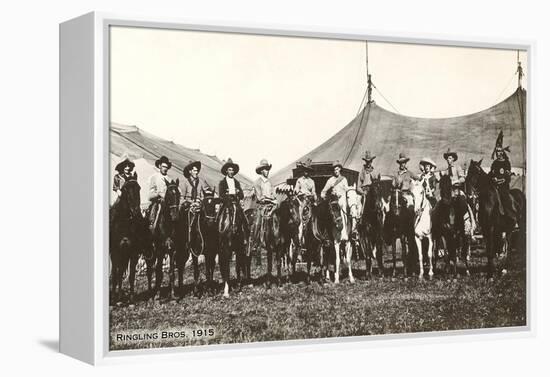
column 164, row 238
column 289, row 224
column 399, row 224
column 371, row 228
column 231, row 229
column 126, row 237
column 448, row 226
column 493, row 223
column 309, row 241
column 198, row 235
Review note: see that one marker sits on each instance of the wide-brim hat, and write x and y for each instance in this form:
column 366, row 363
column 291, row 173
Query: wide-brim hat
column 263, row 165
column 402, row 158
column 450, row 153
column 305, row 165
column 230, row 164
column 122, row 164
column 427, row 160
column 163, row 160
column 368, row 156
column 337, row 163
column 190, row 166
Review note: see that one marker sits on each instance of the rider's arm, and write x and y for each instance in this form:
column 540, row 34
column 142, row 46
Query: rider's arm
column 153, row 189
column 327, row 187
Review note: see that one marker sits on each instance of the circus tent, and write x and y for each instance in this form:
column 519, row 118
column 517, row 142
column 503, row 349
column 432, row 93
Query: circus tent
column 144, row 148
column 387, row 133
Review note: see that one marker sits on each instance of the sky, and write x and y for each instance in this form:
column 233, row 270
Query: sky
column 250, row 97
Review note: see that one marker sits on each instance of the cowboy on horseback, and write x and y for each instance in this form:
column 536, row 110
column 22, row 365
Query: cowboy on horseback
column 337, row 185
column 231, row 192
column 158, row 184
column 455, row 172
column 367, row 175
column 402, row 179
column 428, row 179
column 305, row 185
column 124, row 172
column 263, row 190
column 193, row 187
column 500, row 174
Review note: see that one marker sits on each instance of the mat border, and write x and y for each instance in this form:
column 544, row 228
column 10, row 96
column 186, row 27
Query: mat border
column 102, row 24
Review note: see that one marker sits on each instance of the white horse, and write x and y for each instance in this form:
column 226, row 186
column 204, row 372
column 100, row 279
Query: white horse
column 422, row 225
column 341, row 232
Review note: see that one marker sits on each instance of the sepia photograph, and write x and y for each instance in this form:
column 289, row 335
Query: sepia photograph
column 272, row 188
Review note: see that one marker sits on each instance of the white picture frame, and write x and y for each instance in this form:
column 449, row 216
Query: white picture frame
column 84, row 178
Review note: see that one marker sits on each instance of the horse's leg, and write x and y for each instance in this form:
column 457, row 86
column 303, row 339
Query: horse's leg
column 337, row 264
column 172, row 274
column 224, row 259
column 150, row 267
column 490, row 250
column 269, row 265
column 132, row 275
column 239, row 269
column 394, row 258
column 404, row 254
column 196, row 276
column 349, row 255
column 430, row 257
column 278, row 251
column 293, row 260
column 158, row 275
column 420, row 258
column 466, row 245
column 380, row 257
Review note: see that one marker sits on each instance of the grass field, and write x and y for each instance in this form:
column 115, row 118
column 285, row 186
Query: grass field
column 297, row 311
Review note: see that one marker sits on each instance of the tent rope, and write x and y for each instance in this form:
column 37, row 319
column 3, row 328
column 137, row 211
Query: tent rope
column 385, row 99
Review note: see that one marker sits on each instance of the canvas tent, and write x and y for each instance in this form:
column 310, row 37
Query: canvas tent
column 387, row 133
column 144, row 148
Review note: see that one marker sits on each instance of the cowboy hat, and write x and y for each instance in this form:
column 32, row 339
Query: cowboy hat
column 123, row 163
column 263, row 165
column 190, row 166
column 427, row 160
column 163, row 160
column 402, row 158
column 305, row 165
column 230, row 164
column 498, row 145
column 450, row 153
column 368, row 156
column 337, row 163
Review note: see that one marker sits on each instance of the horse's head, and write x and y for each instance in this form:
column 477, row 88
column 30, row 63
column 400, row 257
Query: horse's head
column 473, row 176
column 395, row 199
column 172, row 199
column 419, row 195
column 290, row 210
column 354, row 203
column 446, row 187
column 130, row 195
column 210, row 208
column 375, row 201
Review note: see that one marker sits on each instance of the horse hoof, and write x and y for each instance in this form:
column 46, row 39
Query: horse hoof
column 352, row 280
column 467, row 273
column 226, row 295
column 131, row 306
column 504, row 271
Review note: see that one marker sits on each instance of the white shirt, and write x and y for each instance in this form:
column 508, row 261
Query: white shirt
column 231, row 185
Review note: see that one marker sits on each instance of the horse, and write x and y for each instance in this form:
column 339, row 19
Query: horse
column 422, row 226
column 449, row 219
column 493, row 223
column 399, row 224
column 355, row 209
column 198, row 237
column 267, row 234
column 371, row 228
column 289, row 230
column 340, row 233
column 232, row 236
column 164, row 238
column 125, row 236
column 310, row 239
